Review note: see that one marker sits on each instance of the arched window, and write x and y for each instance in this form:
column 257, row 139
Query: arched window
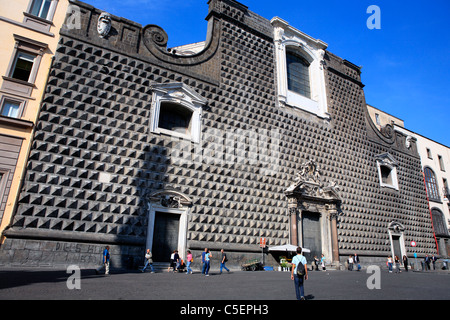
column 431, row 183
column 299, row 69
column 298, row 74
column 440, row 228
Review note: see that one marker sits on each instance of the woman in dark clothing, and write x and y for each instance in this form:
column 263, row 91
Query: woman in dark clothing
column 405, row 262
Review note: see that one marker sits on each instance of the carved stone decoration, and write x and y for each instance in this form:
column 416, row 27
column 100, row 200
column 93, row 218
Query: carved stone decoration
column 396, row 226
column 170, row 201
column 104, row 24
column 408, row 142
column 309, row 184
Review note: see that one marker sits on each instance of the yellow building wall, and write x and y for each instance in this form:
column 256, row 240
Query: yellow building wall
column 11, row 23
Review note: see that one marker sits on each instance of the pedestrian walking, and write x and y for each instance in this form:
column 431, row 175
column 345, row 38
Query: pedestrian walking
column 208, row 257
column 223, row 261
column 389, row 263
column 316, row 264
column 356, row 260
column 148, row 261
column 405, row 262
column 350, row 263
column 204, row 261
column 397, row 264
column 105, row 261
column 322, row 262
column 176, row 261
column 172, row 255
column 433, row 260
column 189, row 260
column 427, row 262
column 299, row 274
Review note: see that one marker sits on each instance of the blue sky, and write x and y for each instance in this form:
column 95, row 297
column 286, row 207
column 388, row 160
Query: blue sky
column 405, row 64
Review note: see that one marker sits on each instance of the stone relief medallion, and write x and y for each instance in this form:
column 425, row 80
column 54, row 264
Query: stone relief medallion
column 104, row 24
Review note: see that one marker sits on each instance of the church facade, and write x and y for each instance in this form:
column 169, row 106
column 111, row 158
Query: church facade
column 259, row 132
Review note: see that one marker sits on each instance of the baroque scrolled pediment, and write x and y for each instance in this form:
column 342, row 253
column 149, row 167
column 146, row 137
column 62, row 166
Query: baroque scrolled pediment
column 310, row 185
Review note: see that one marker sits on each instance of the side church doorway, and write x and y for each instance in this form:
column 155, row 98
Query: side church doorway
column 165, row 235
column 168, row 213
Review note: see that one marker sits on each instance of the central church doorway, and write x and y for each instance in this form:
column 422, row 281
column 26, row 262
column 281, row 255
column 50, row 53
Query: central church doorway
column 165, row 235
column 312, row 235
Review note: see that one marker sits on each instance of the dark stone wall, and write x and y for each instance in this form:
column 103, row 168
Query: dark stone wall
column 95, row 118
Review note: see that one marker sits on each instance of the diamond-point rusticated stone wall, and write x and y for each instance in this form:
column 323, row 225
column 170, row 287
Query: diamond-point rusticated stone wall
column 95, row 163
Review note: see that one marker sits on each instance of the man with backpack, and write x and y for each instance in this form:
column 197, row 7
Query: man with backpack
column 299, row 273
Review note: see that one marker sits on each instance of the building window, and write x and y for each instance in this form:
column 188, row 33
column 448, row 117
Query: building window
column 175, row 117
column 23, row 66
column 441, row 163
column 431, row 184
column 299, row 69
column 377, row 119
column 387, row 171
column 439, row 225
column 176, row 111
column 445, row 190
column 11, row 108
column 386, row 174
column 41, row 8
column 429, row 154
column 39, row 15
column 298, row 74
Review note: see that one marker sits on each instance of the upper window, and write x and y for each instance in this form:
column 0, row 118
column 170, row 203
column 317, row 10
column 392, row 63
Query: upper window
column 11, row 108
column 298, row 74
column 39, row 15
column 23, row 66
column 441, row 163
column 377, row 119
column 387, row 171
column 41, row 8
column 431, row 183
column 177, row 110
column 175, row 117
column 299, row 66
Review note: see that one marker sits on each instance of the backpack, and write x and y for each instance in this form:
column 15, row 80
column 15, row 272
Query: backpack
column 300, row 269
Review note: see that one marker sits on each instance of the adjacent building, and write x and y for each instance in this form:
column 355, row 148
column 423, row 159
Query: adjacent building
column 30, row 32
column 435, row 159
column 259, row 132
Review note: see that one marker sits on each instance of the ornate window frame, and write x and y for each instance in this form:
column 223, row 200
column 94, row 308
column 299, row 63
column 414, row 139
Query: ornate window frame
column 312, row 50
column 28, row 46
column 40, row 24
column 184, row 96
column 387, row 161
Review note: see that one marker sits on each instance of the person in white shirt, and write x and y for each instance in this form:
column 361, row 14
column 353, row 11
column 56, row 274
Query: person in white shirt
column 299, row 273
